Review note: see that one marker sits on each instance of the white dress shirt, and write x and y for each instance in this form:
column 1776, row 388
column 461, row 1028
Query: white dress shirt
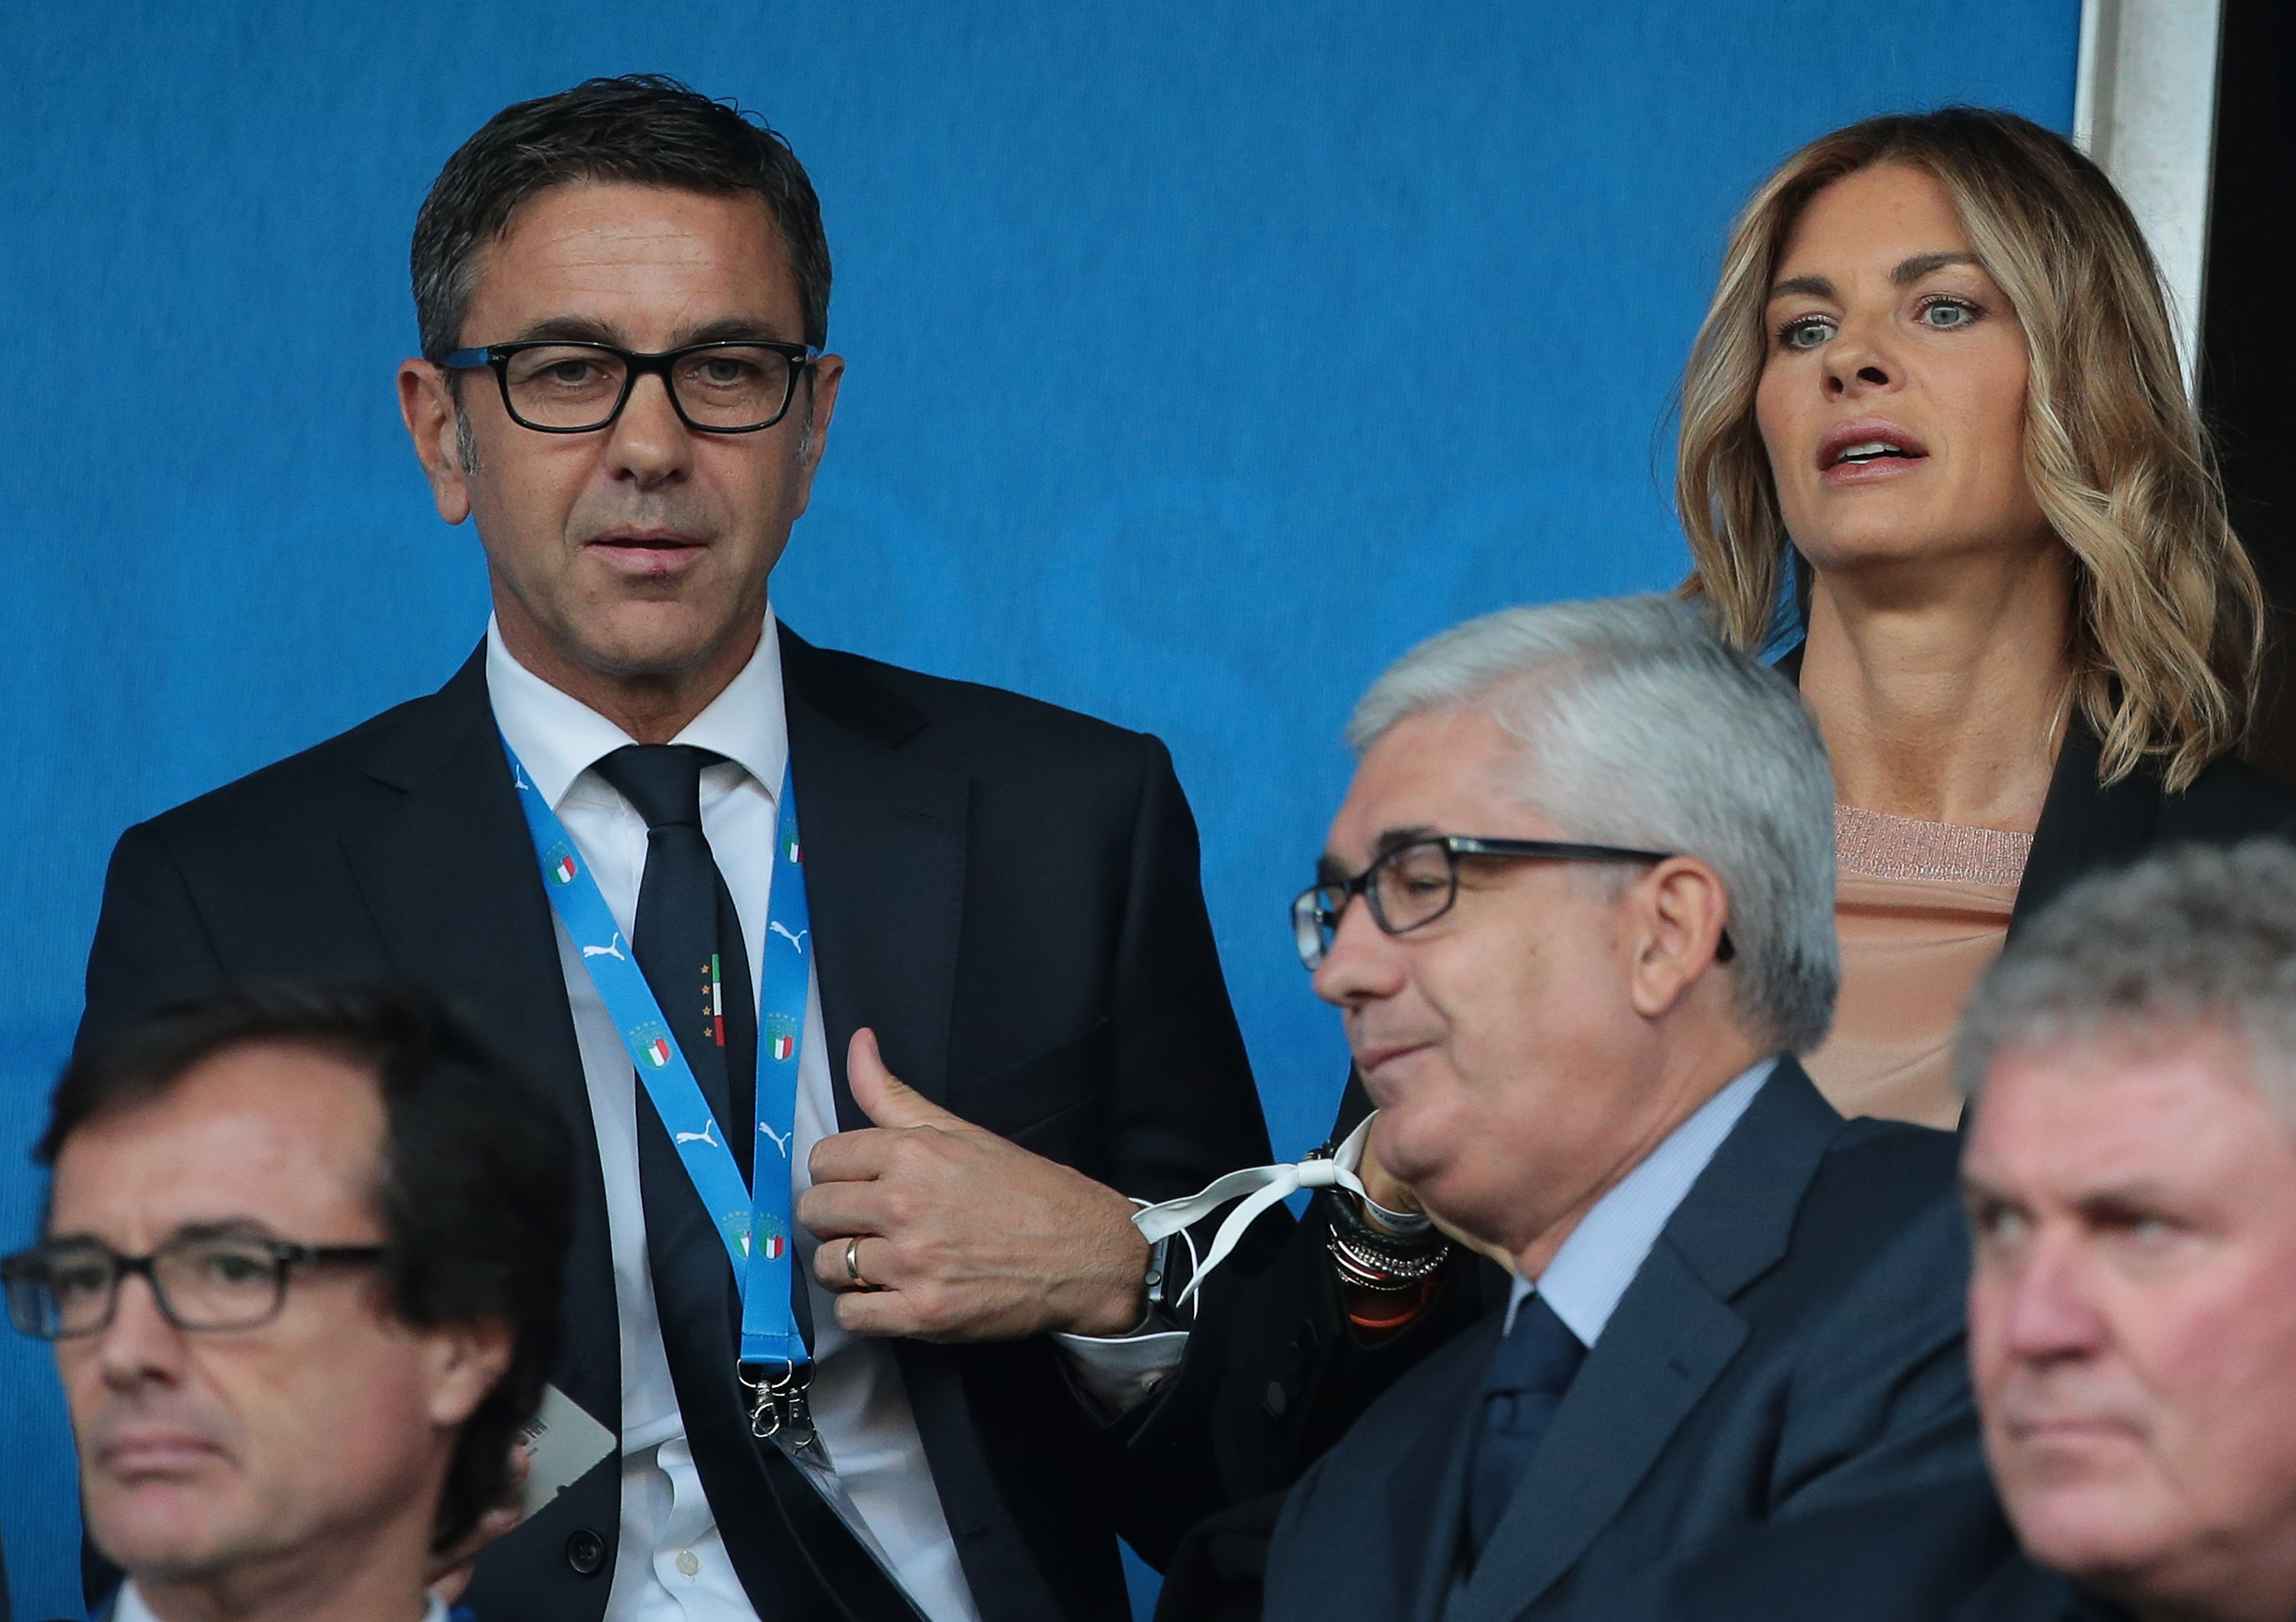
column 130, row 1606
column 671, row 1565
column 1600, row 1258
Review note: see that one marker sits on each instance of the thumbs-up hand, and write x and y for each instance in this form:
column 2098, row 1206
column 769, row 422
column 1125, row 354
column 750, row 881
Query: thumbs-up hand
column 960, row 1234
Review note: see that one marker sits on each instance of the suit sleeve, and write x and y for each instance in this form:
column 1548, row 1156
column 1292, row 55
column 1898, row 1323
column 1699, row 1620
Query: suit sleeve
column 151, row 948
column 1184, row 1111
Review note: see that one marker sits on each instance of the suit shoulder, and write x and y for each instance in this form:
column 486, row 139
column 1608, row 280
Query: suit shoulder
column 1897, row 1151
column 994, row 721
column 320, row 782
column 2230, row 800
column 1880, row 1184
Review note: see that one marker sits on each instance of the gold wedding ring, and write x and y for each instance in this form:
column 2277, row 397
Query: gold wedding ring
column 853, row 1263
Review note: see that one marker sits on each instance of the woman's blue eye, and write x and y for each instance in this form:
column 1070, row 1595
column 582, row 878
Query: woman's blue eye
column 1949, row 316
column 1807, row 334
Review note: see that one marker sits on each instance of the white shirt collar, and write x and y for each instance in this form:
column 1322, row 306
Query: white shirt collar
column 1600, row 1258
column 130, row 1606
column 558, row 737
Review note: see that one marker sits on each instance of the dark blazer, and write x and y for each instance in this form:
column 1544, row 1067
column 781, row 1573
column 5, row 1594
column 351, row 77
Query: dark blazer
column 2086, row 827
column 1940, row 1553
column 1007, row 892
column 1793, row 1341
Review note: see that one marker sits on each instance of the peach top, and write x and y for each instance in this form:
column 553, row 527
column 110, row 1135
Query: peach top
column 1923, row 908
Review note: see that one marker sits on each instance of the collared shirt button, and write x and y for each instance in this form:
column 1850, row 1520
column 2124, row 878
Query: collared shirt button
column 689, row 1562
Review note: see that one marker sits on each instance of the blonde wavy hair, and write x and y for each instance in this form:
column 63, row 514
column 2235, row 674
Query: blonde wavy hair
column 2168, row 617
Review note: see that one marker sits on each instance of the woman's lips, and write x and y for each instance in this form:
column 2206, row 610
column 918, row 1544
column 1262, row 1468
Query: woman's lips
column 1868, row 449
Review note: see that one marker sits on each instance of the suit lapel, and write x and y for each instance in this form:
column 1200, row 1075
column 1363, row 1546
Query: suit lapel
column 2085, row 826
column 448, row 875
column 885, row 848
column 1670, row 1339
column 1666, row 1345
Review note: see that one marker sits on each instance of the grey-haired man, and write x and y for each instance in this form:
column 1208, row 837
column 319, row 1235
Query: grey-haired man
column 1577, row 912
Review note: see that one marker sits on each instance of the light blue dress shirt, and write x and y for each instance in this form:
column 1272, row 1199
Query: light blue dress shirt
column 1600, row 1258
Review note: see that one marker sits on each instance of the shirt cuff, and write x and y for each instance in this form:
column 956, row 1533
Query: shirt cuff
column 1118, row 1373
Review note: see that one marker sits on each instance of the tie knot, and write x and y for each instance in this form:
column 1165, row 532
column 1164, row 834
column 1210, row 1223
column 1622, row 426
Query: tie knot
column 1539, row 1354
column 663, row 780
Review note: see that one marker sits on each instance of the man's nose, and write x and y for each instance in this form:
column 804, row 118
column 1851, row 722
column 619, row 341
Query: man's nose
column 2048, row 1310
column 139, row 1344
column 651, row 442
column 1363, row 964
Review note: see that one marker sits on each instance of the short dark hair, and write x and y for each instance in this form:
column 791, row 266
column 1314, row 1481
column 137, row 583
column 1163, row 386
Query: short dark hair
column 644, row 128
column 476, row 1192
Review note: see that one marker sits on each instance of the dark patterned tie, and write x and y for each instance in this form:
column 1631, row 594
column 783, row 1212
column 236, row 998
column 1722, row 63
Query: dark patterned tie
column 1521, row 1390
column 689, row 937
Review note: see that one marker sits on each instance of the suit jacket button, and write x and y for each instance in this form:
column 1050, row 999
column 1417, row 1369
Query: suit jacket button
column 585, row 1551
column 1275, row 1400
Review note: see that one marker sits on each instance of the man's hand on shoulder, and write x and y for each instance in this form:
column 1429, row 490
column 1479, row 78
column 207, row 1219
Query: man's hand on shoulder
column 962, row 1235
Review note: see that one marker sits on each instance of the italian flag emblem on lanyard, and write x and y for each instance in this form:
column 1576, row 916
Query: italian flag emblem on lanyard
column 791, row 850
column 772, row 1240
column 657, row 1052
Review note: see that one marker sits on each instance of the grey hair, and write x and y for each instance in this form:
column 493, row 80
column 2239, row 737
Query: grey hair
column 2197, row 937
column 1647, row 730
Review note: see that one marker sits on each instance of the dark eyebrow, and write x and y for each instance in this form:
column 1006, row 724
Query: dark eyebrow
column 1817, row 287
column 731, row 329
column 1906, row 274
column 1913, row 270
column 229, row 1228
column 224, row 1227
column 583, row 329
column 568, row 329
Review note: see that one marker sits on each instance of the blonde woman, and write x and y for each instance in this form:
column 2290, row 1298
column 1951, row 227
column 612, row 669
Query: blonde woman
column 1935, row 436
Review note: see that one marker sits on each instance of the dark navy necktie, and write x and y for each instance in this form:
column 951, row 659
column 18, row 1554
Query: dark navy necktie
column 689, row 937
column 1521, row 1390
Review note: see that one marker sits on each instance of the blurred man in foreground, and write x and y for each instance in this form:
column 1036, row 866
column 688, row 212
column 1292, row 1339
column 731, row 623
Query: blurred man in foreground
column 301, row 1266
column 1577, row 912
column 2130, row 1179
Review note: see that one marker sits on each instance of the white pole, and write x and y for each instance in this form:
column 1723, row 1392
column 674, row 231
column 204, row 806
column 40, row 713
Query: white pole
column 2146, row 109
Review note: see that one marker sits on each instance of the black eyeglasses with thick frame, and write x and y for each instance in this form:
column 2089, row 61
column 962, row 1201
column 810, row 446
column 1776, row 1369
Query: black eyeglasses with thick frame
column 798, row 359
column 201, row 1282
column 1389, row 887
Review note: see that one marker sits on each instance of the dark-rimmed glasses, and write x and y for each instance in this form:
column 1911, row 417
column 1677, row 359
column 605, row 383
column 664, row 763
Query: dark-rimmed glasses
column 221, row 1281
column 1413, row 885
column 736, row 386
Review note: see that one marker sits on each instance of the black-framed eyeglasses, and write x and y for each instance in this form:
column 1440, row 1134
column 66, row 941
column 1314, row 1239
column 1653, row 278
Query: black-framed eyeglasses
column 736, row 386
column 220, row 1280
column 1413, row 885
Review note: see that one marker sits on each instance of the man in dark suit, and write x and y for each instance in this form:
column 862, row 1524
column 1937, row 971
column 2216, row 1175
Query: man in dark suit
column 2130, row 1180
column 1577, row 911
column 623, row 297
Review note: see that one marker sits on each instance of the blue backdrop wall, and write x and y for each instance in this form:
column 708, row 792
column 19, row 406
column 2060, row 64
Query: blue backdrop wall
column 1202, row 359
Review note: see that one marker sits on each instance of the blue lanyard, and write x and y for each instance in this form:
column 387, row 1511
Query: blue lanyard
column 755, row 1224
